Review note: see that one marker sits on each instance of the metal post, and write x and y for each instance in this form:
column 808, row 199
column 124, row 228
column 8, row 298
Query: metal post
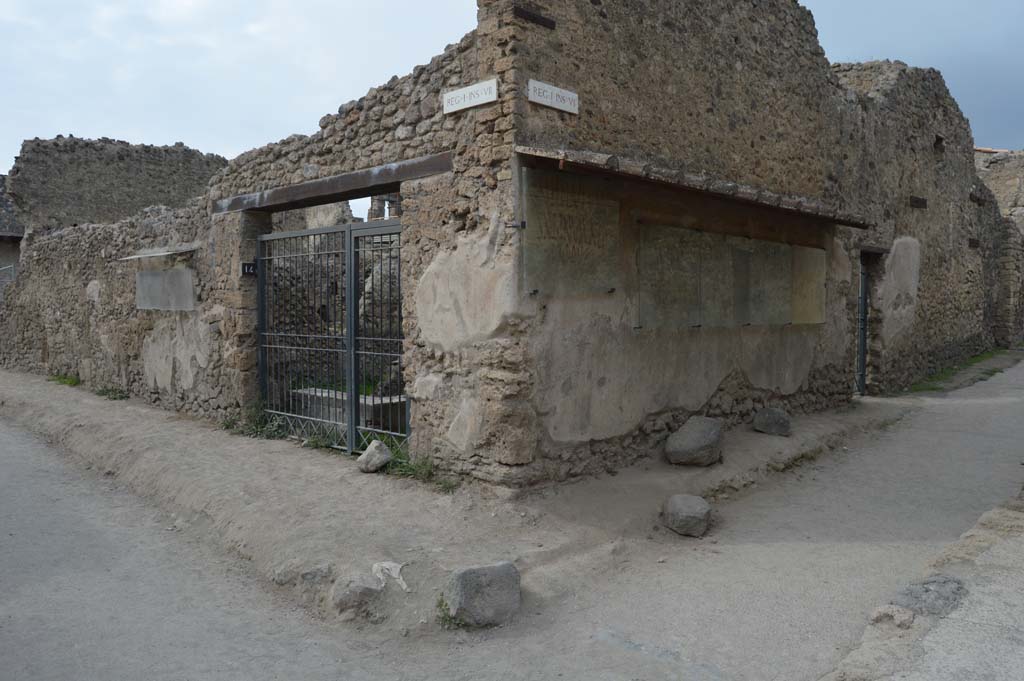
column 261, row 321
column 352, row 326
column 862, row 330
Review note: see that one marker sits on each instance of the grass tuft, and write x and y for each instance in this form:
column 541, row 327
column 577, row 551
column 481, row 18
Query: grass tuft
column 934, row 382
column 319, row 441
column 112, row 393
column 257, row 423
column 419, row 468
column 445, row 617
column 66, row 379
column 447, row 485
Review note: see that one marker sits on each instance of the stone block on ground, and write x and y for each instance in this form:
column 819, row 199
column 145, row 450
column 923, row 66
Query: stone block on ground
column 376, row 456
column 697, row 443
column 483, row 596
column 773, row 422
column 354, row 596
column 686, row 515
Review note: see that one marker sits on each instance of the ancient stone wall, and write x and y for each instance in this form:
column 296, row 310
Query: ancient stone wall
column 1003, row 174
column 558, row 323
column 73, row 311
column 9, row 225
column 67, row 180
column 459, row 234
column 738, row 90
column 934, row 299
column 10, row 238
column 881, row 141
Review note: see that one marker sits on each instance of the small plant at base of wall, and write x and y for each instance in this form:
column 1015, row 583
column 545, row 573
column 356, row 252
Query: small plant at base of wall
column 419, row 468
column 66, row 379
column 258, row 424
column 112, row 393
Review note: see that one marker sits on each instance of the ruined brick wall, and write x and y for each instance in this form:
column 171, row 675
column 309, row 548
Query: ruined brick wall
column 934, row 299
column 67, row 180
column 1003, row 175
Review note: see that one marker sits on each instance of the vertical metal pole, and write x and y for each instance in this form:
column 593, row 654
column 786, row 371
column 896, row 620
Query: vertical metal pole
column 862, row 330
column 352, row 324
column 261, row 321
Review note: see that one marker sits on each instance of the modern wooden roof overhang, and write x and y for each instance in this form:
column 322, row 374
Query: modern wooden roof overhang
column 607, row 164
column 384, row 179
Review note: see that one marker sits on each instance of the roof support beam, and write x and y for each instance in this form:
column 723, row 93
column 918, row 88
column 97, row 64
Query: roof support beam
column 385, row 179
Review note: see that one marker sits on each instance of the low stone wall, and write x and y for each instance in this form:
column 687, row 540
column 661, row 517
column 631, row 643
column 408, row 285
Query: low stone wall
column 72, row 311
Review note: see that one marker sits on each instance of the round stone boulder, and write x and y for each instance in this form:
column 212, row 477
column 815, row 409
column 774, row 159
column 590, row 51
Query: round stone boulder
column 773, row 422
column 697, row 443
column 686, row 515
column 376, row 457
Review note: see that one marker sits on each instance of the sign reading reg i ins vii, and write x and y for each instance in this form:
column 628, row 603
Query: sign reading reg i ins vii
column 467, row 97
column 554, row 97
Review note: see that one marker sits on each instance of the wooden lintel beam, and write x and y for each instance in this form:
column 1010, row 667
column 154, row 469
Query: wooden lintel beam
column 385, row 179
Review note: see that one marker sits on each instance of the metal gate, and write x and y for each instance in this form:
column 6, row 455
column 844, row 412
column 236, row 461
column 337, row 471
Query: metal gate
column 330, row 322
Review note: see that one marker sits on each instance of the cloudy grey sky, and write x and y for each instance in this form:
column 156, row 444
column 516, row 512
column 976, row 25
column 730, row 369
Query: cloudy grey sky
column 228, row 75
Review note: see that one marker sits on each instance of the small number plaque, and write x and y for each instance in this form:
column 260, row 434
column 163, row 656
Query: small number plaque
column 248, row 269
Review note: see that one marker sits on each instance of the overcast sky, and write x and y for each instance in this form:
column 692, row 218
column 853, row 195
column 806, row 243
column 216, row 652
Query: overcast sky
column 229, row 75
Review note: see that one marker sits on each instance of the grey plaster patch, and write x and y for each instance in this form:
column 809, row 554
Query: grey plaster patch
column 170, row 290
column 900, row 287
column 938, row 595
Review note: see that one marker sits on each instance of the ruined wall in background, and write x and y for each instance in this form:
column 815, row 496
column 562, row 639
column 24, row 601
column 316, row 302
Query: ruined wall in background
column 9, row 224
column 1003, row 174
column 934, row 301
column 67, row 181
column 10, row 238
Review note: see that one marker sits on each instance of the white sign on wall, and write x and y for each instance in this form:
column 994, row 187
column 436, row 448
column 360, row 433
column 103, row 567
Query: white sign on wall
column 555, row 97
column 477, row 94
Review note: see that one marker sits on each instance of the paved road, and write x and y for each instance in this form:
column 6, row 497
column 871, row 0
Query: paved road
column 93, row 587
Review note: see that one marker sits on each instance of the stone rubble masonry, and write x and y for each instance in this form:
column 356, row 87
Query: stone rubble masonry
column 67, row 181
column 72, row 310
column 9, row 225
column 515, row 388
column 1003, row 175
column 10, row 238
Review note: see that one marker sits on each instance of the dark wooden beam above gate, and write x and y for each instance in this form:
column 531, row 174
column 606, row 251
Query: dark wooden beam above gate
column 385, row 179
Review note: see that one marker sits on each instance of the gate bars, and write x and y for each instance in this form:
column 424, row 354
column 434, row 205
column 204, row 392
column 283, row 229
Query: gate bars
column 330, row 325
